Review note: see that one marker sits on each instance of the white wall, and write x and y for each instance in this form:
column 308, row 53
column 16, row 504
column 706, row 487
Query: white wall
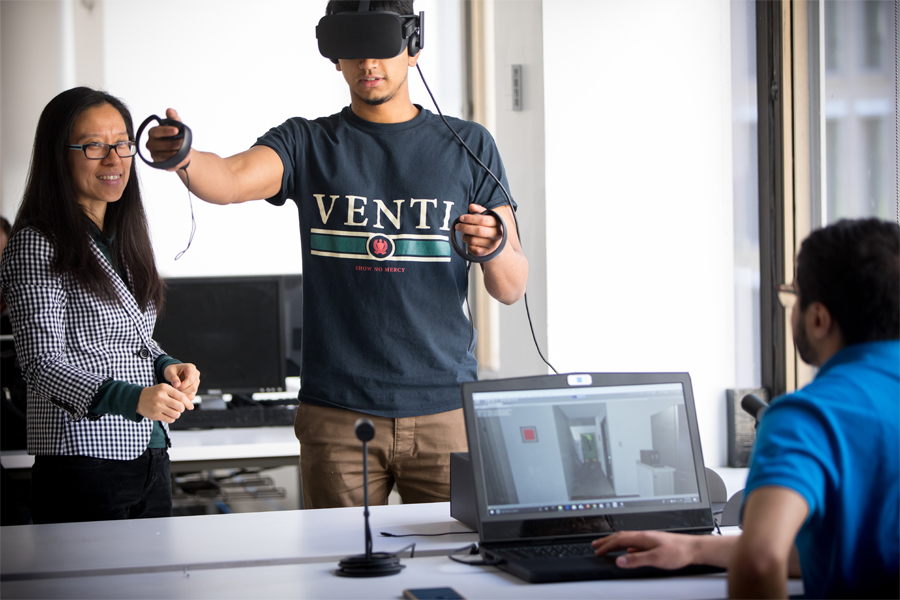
column 232, row 68
column 31, row 72
column 638, row 193
column 537, row 467
column 519, row 40
column 630, row 431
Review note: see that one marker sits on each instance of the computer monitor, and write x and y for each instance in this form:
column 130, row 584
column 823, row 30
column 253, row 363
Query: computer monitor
column 293, row 322
column 237, row 330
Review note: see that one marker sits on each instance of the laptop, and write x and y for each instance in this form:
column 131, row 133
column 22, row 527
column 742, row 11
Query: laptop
column 560, row 460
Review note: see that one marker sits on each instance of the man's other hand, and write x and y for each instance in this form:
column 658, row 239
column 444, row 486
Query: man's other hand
column 482, row 233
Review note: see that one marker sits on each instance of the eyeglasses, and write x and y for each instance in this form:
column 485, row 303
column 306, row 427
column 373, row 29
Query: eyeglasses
column 787, row 294
column 99, row 151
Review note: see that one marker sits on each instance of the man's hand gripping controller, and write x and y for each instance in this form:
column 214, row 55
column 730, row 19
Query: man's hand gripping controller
column 471, row 257
column 184, row 134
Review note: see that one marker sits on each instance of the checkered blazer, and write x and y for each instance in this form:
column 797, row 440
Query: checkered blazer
column 69, row 343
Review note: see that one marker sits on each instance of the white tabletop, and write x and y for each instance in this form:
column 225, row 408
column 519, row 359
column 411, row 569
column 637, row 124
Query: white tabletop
column 208, row 541
column 235, row 442
column 317, row 580
column 291, row 554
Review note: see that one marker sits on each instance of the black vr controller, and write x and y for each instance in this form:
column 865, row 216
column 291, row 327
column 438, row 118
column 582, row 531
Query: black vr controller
column 471, row 257
column 184, row 134
column 364, row 34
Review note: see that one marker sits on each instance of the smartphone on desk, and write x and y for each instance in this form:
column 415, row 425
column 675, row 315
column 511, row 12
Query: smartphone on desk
column 443, row 593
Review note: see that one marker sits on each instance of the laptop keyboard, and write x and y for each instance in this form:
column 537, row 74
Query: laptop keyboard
column 549, row 551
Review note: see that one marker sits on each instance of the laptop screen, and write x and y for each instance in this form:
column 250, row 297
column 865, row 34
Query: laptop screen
column 602, row 451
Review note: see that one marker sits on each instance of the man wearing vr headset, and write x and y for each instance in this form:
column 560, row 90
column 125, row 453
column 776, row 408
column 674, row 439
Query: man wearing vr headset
column 377, row 186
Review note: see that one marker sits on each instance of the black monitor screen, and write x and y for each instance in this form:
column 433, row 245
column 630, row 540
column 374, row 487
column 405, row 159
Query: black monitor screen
column 233, row 329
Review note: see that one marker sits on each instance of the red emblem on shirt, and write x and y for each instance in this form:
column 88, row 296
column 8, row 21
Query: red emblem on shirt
column 380, row 246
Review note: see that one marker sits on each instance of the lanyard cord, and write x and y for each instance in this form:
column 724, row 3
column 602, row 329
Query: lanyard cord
column 193, row 220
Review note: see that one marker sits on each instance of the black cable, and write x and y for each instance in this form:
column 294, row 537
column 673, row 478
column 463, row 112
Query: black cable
column 399, row 535
column 472, row 549
column 411, row 548
column 365, row 453
column 533, row 336
column 469, row 307
column 511, row 207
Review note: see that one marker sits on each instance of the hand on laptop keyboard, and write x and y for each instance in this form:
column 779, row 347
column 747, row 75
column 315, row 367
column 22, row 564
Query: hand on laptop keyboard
column 646, row 549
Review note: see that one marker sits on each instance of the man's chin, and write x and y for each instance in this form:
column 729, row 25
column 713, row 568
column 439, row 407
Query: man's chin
column 376, row 101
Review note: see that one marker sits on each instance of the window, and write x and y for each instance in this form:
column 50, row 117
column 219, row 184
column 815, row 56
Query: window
column 828, row 140
column 859, row 151
column 745, row 173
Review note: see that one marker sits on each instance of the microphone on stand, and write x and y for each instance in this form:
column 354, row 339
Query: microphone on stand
column 754, row 406
column 370, row 564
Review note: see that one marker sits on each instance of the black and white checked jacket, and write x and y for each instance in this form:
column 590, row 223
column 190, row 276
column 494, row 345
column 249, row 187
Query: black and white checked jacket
column 69, row 343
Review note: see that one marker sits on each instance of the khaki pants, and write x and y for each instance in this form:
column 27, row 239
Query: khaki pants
column 414, row 452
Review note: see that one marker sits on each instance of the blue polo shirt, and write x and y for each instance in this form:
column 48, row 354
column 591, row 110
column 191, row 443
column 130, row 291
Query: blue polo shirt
column 836, row 442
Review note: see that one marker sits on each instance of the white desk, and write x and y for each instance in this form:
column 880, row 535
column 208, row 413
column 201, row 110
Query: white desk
column 211, row 448
column 219, row 541
column 234, row 448
column 316, row 580
column 276, row 555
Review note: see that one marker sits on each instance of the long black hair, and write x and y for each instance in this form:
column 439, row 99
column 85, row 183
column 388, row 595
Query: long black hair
column 50, row 206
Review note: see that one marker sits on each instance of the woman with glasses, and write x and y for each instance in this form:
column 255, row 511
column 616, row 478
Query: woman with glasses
column 83, row 292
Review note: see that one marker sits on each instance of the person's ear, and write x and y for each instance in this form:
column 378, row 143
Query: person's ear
column 337, row 67
column 819, row 322
column 412, row 60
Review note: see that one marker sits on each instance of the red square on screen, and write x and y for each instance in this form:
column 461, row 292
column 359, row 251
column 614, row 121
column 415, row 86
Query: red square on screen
column 529, row 434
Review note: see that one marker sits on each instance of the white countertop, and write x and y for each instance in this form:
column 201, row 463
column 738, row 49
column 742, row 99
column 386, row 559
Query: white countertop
column 205, row 444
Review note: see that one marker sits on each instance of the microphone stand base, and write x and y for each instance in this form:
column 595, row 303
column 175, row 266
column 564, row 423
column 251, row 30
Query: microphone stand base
column 378, row 564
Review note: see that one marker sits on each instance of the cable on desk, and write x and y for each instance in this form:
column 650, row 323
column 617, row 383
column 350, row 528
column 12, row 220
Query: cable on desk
column 411, row 548
column 388, row 534
column 472, row 550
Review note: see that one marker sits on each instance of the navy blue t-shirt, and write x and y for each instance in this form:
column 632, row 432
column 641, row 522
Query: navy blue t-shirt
column 384, row 328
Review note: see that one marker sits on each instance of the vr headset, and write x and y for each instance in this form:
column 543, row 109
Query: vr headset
column 364, row 34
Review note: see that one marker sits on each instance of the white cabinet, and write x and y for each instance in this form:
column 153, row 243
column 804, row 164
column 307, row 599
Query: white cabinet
column 655, row 481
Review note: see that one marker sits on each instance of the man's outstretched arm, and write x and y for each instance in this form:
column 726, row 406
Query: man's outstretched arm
column 251, row 175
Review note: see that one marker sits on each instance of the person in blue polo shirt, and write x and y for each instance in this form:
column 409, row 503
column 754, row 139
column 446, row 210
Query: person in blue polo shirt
column 822, row 497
